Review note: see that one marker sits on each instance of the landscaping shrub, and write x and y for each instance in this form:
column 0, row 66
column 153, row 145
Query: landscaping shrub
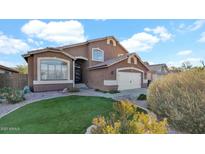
column 110, row 91
column 142, row 97
column 100, row 91
column 181, row 98
column 1, row 99
column 127, row 119
column 73, row 89
column 114, row 91
column 11, row 95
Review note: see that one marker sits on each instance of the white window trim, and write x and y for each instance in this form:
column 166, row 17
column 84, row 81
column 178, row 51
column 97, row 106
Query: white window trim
column 93, row 56
column 39, row 81
column 129, row 60
column 52, row 82
column 110, row 39
column 120, row 54
column 81, row 57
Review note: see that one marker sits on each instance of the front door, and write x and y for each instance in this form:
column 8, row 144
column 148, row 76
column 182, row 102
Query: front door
column 78, row 73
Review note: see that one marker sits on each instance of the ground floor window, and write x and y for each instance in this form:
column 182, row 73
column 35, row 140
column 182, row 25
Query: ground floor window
column 53, row 69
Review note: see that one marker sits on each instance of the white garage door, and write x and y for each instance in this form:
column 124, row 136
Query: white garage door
column 128, row 80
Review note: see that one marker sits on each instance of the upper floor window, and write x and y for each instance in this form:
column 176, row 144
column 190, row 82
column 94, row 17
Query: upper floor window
column 52, row 69
column 97, row 54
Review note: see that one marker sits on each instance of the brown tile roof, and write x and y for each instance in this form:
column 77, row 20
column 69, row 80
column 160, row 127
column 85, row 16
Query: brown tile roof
column 110, row 61
column 9, row 69
column 157, row 68
column 61, row 48
column 104, row 64
column 115, row 60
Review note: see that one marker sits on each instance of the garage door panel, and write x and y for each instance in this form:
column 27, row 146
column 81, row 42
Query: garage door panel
column 128, row 80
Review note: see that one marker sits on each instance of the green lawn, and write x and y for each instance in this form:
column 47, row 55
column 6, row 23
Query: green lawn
column 70, row 114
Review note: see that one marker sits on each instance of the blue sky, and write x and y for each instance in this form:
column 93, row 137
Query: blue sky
column 155, row 41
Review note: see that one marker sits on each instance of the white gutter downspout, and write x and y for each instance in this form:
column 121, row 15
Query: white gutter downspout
column 73, row 73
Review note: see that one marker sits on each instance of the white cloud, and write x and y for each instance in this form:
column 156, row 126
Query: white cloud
column 140, row 42
column 9, row 63
column 202, row 39
column 34, row 42
column 192, row 27
column 193, row 61
column 144, row 41
column 196, row 25
column 161, row 32
column 10, row 45
column 62, row 32
column 184, row 52
column 182, row 26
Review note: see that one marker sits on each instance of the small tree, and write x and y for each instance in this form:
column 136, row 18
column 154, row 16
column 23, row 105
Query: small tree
column 175, row 69
column 23, row 69
column 186, row 65
column 203, row 64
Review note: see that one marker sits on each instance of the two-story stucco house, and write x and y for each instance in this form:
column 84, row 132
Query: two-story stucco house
column 100, row 64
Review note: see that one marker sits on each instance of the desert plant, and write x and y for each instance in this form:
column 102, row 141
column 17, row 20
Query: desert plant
column 114, row 91
column 12, row 95
column 98, row 90
column 142, row 97
column 73, row 89
column 23, row 69
column 127, row 119
column 181, row 98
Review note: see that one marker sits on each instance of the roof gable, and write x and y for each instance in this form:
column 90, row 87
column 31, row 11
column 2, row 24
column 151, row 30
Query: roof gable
column 158, row 68
column 115, row 60
column 8, row 69
column 61, row 48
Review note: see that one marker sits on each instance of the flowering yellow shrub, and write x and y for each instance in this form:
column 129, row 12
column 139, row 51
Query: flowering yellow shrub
column 144, row 124
column 128, row 120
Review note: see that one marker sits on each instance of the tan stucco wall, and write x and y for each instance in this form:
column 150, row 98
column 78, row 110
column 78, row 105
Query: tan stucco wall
column 51, row 87
column 32, row 71
column 78, row 51
column 110, row 51
column 2, row 71
column 97, row 77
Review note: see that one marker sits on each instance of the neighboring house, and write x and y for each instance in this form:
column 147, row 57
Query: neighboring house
column 100, row 64
column 158, row 70
column 7, row 70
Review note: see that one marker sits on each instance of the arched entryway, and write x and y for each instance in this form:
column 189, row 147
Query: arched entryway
column 80, row 65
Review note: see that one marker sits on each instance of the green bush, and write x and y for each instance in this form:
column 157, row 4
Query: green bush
column 142, row 97
column 98, row 90
column 127, row 119
column 11, row 95
column 181, row 98
column 73, row 89
column 114, row 91
column 110, row 91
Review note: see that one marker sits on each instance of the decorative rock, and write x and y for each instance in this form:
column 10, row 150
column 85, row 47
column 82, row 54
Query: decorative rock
column 88, row 131
column 65, row 90
column 3, row 100
column 26, row 90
